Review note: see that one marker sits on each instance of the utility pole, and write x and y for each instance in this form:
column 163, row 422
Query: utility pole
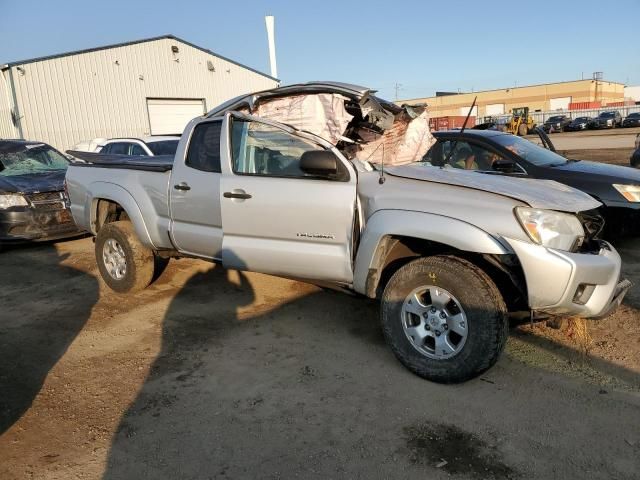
column 398, row 86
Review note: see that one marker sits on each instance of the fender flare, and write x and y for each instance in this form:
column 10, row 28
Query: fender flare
column 115, row 193
column 385, row 224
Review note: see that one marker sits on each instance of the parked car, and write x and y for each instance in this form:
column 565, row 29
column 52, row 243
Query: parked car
column 577, row 124
column 145, row 146
column 610, row 119
column 635, row 157
column 632, row 120
column 615, row 186
column 345, row 198
column 33, row 204
column 557, row 123
column 92, row 145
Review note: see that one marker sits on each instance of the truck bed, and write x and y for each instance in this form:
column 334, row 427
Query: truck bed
column 159, row 163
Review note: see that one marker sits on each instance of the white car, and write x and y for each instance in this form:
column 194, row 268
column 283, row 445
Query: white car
column 145, row 146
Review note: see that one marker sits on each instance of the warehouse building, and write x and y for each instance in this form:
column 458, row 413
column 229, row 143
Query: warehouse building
column 572, row 95
column 152, row 86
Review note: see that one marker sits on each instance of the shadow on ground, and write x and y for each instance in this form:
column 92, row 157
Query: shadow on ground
column 45, row 304
column 270, row 388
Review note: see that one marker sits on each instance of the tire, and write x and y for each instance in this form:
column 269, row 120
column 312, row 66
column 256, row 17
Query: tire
column 122, row 243
column 474, row 295
column 522, row 130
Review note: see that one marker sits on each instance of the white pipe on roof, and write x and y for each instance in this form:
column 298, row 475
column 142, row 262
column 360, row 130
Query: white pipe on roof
column 270, row 22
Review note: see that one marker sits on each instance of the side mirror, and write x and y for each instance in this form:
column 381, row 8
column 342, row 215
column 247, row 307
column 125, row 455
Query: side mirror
column 319, row 162
column 504, row 166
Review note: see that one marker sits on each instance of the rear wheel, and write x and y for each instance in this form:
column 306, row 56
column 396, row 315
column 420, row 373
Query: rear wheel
column 444, row 318
column 126, row 265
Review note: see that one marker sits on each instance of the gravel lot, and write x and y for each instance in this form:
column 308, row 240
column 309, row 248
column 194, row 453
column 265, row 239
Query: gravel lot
column 215, row 374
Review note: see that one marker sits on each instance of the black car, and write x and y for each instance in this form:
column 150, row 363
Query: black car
column 616, row 187
column 33, row 205
column 632, row 120
column 635, row 157
column 610, row 119
column 577, row 124
column 557, row 123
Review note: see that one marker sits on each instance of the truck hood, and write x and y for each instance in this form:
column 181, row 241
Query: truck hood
column 544, row 194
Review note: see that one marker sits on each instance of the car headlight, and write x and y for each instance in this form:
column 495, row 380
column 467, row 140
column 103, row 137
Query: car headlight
column 630, row 192
column 562, row 231
column 12, row 200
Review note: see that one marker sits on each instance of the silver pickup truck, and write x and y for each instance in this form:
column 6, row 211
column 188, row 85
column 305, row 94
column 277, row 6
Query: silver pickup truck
column 328, row 183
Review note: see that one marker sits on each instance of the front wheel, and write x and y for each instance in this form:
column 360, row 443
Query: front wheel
column 523, row 130
column 444, row 318
column 126, row 265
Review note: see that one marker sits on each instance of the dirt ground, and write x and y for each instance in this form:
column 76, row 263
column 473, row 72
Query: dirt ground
column 608, row 146
column 215, row 374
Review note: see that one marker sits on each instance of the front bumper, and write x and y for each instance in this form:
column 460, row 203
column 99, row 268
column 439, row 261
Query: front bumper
column 563, row 283
column 32, row 224
column 602, row 125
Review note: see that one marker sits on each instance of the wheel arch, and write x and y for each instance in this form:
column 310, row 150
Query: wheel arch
column 393, row 238
column 111, row 203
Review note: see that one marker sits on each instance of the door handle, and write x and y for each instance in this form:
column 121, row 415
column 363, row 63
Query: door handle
column 241, row 195
column 182, row 186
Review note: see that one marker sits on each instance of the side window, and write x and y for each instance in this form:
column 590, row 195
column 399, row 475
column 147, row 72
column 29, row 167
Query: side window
column 469, row 156
column 259, row 149
column 105, row 149
column 434, row 155
column 119, row 148
column 137, row 150
column 204, row 149
column 463, row 155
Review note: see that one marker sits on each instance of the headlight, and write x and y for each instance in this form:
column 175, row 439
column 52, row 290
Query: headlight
column 630, row 192
column 12, row 200
column 562, row 231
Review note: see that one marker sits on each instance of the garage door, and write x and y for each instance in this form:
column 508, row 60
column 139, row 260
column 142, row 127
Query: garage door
column 495, row 109
column 464, row 111
column 168, row 116
column 559, row 103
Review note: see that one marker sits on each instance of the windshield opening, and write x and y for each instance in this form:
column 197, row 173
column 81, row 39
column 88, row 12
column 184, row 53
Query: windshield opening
column 529, row 151
column 30, row 159
column 607, row 114
column 556, row 118
column 163, row 147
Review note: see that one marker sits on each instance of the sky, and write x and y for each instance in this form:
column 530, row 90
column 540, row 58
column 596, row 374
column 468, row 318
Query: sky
column 420, row 46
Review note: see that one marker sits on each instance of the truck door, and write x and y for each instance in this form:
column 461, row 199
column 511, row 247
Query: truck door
column 196, row 219
column 276, row 218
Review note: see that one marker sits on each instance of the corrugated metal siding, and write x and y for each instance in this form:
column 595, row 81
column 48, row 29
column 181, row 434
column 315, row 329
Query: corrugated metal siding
column 69, row 99
column 7, row 129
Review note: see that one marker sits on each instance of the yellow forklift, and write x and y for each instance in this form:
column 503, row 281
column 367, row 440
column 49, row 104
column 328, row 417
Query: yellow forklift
column 520, row 122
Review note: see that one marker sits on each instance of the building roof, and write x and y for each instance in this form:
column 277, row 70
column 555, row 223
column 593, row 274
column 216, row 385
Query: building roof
column 518, row 87
column 125, row 44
